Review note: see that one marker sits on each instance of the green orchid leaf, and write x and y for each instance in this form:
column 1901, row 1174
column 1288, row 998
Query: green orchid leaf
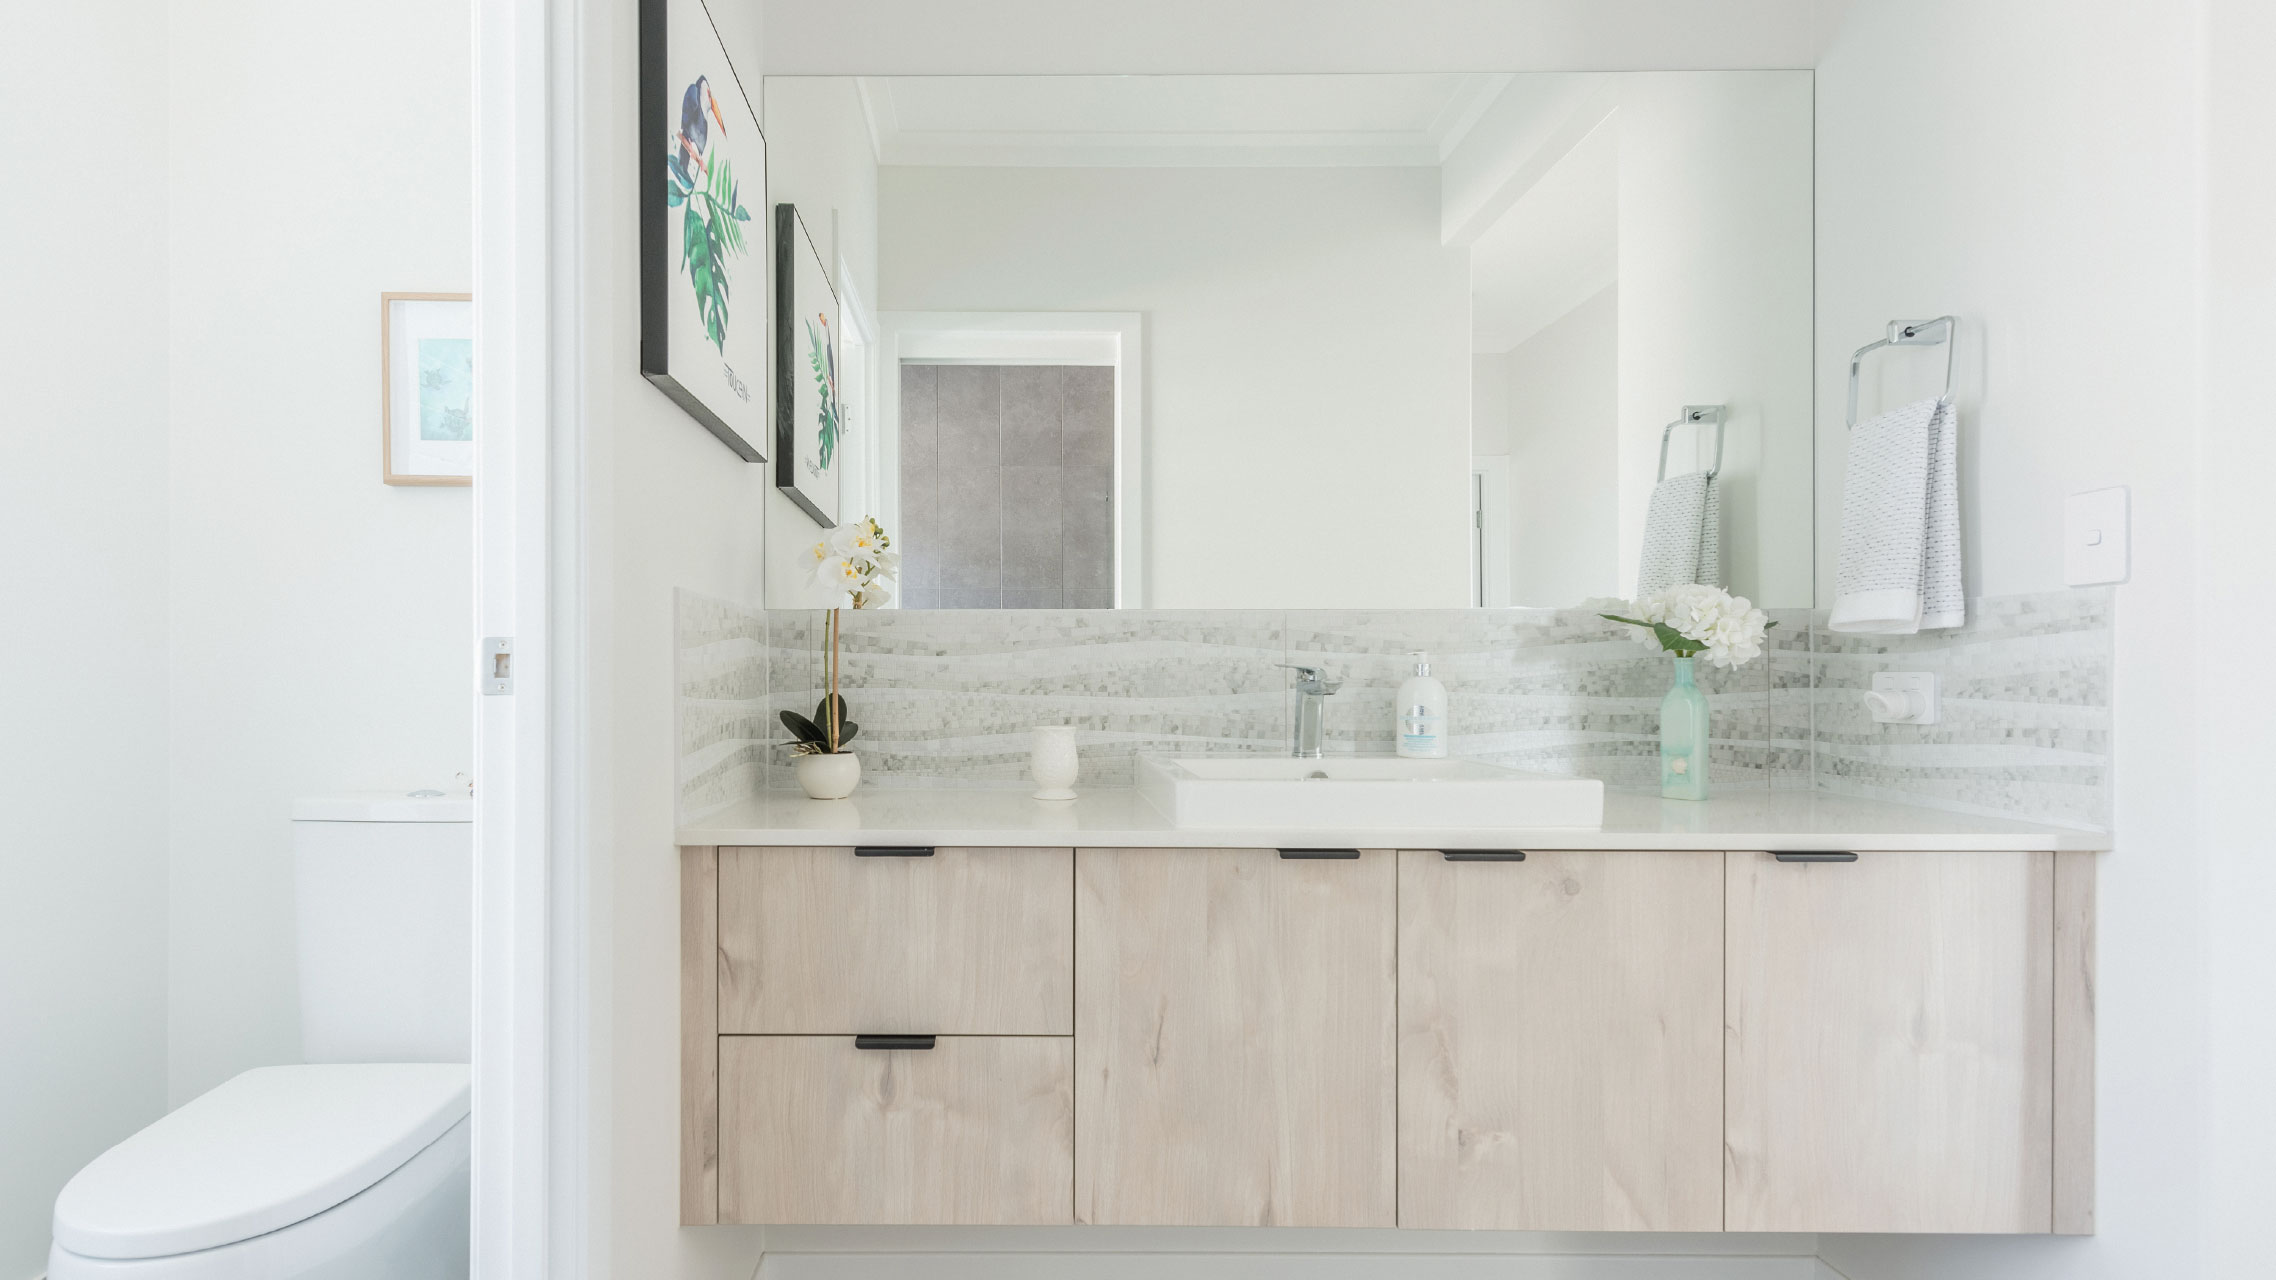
column 822, row 710
column 802, row 728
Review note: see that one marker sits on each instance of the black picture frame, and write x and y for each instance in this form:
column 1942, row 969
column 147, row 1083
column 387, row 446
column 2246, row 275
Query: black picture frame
column 790, row 242
column 697, row 382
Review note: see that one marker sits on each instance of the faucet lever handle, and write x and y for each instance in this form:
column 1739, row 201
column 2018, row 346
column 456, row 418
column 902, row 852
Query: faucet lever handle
column 1310, row 675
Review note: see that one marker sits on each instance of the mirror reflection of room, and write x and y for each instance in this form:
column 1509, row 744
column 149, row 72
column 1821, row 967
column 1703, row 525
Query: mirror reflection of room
column 1331, row 340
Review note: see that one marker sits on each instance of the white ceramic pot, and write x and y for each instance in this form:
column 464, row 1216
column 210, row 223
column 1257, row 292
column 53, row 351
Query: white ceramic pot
column 827, row 777
column 1052, row 762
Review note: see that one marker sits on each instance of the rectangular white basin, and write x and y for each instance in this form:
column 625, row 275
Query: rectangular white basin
column 1376, row 793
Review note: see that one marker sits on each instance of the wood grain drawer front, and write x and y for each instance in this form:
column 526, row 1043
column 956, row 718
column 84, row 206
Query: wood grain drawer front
column 963, row 942
column 1560, row 1042
column 1234, row 1038
column 974, row 1131
column 1889, row 1025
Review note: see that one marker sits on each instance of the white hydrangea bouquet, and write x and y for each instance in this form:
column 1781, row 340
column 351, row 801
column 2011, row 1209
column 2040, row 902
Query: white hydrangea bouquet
column 1689, row 621
column 853, row 563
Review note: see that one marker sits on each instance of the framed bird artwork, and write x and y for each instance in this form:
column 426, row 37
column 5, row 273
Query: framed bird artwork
column 703, row 259
column 809, row 417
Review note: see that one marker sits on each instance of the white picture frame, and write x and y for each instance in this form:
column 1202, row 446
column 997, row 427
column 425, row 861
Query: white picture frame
column 426, row 388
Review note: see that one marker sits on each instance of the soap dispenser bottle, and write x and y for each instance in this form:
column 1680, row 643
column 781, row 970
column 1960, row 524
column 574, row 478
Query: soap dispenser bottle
column 1421, row 708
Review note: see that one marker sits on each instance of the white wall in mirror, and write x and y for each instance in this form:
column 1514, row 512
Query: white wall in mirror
column 825, row 163
column 1295, row 414
column 1411, row 339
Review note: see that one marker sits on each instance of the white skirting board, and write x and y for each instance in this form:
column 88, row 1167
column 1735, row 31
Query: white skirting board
column 1287, row 1266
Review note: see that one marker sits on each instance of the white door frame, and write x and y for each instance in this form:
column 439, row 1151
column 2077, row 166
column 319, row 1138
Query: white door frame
column 875, row 497
column 529, row 1068
column 1489, row 480
column 1113, row 338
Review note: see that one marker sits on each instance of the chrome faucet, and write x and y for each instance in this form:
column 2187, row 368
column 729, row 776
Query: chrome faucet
column 1312, row 690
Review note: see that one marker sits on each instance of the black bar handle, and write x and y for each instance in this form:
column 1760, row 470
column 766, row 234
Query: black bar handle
column 1484, row 855
column 893, row 851
column 1826, row 855
column 1336, row 855
column 894, row 1042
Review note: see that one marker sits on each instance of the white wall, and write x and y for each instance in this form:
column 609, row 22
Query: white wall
column 320, row 621
column 668, row 507
column 1562, row 387
column 1715, row 290
column 83, row 578
column 1291, row 315
column 819, row 158
column 2063, row 228
column 2236, row 539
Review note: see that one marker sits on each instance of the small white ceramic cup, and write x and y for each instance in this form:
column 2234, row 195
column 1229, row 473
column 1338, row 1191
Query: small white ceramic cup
column 1052, row 762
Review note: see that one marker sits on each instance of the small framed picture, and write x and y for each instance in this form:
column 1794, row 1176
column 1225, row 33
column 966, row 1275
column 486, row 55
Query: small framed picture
column 426, row 388
column 807, row 424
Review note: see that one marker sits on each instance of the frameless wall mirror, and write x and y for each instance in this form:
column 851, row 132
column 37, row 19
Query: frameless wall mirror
column 1324, row 341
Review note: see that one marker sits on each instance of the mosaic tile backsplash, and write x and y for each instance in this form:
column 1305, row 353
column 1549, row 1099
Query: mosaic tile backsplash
column 946, row 698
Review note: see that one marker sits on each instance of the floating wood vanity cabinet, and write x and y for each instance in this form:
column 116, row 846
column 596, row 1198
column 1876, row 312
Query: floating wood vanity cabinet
column 1560, row 1041
column 968, row 942
column 1892, row 1043
column 1539, row 1040
column 973, row 1129
column 890, row 1034
column 1233, row 1037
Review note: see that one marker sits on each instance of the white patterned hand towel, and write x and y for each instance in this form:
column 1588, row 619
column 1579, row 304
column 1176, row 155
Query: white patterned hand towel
column 1683, row 535
column 1900, row 524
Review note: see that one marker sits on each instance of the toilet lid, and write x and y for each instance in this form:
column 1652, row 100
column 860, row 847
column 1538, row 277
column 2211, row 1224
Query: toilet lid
column 267, row 1149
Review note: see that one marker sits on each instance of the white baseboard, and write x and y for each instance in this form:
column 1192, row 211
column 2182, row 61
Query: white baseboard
column 1285, row 1266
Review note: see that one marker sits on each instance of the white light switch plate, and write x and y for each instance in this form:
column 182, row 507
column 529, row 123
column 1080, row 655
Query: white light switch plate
column 2096, row 537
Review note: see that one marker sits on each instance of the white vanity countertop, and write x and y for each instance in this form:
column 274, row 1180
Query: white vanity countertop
column 1112, row 817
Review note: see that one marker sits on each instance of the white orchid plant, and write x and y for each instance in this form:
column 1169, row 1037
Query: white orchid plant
column 1692, row 620
column 854, row 563
column 858, row 561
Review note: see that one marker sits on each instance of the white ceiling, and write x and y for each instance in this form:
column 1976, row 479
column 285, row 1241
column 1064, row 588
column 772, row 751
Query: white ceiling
column 1181, row 121
column 1553, row 245
column 1058, row 37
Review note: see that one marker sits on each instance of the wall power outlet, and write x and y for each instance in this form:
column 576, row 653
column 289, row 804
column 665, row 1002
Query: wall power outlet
column 1903, row 697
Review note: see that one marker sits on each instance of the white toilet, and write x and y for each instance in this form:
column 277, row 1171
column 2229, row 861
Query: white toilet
column 353, row 1167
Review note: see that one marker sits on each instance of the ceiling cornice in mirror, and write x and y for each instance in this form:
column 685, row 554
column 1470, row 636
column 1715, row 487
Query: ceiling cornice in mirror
column 1316, row 121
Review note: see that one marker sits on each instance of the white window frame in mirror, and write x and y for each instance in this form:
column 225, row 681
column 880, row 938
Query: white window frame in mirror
column 1113, row 338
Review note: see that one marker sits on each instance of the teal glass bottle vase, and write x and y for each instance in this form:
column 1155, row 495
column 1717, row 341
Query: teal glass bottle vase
column 1683, row 738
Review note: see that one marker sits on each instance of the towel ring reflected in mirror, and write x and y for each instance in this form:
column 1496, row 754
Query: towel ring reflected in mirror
column 1908, row 333
column 1703, row 415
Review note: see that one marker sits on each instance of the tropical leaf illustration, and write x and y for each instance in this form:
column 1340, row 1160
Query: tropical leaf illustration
column 824, row 362
column 711, row 230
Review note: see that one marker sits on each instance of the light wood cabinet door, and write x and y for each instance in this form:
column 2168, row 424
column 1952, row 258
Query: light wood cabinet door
column 823, row 941
column 1234, row 1038
column 1889, row 1025
column 1560, row 1042
column 975, row 1130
